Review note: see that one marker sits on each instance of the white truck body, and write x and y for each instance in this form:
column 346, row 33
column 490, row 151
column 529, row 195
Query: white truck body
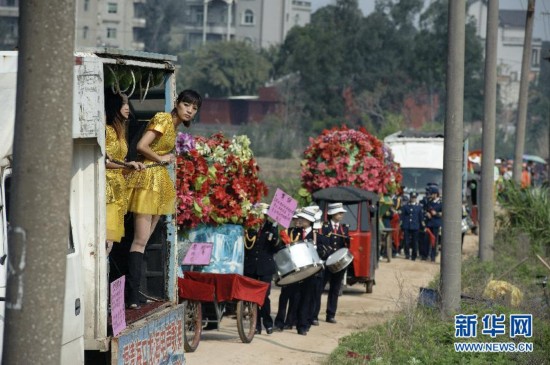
column 420, row 156
column 86, row 314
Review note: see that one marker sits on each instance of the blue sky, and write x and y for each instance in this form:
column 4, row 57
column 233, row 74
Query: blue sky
column 542, row 12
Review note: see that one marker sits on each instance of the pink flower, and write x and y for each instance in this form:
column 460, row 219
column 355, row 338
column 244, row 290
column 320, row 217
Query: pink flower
column 348, row 157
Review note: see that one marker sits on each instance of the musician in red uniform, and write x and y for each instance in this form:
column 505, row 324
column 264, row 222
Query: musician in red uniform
column 334, row 235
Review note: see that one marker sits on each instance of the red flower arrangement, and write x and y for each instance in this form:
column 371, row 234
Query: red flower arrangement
column 348, row 157
column 217, row 181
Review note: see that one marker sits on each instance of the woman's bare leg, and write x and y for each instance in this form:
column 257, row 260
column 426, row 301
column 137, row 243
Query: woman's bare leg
column 142, row 231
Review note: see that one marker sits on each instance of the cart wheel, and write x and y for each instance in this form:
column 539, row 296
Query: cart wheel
column 192, row 328
column 247, row 313
column 369, row 285
column 389, row 247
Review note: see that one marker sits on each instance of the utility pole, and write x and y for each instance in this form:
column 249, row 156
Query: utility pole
column 39, row 235
column 523, row 92
column 487, row 211
column 451, row 256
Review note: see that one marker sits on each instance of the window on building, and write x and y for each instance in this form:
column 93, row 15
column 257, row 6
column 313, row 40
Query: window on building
column 111, row 33
column 138, row 10
column 86, row 5
column 535, row 59
column 85, row 32
column 248, row 17
column 112, row 8
column 198, row 16
column 297, row 19
column 10, row 3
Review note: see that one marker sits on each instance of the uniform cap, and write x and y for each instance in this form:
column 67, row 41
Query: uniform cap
column 308, row 213
column 334, row 208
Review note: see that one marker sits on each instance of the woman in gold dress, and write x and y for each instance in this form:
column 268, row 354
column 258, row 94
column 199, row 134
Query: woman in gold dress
column 151, row 193
column 117, row 112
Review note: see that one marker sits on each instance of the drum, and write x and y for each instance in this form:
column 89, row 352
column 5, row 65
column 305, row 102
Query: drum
column 339, row 260
column 296, row 262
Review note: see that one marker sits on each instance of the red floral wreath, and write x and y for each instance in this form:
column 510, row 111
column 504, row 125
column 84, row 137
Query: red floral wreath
column 216, row 185
column 348, row 157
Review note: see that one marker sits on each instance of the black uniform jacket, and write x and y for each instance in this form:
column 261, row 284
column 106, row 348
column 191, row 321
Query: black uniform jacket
column 330, row 241
column 260, row 245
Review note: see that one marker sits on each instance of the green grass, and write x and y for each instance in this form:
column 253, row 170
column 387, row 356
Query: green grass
column 419, row 335
column 280, row 174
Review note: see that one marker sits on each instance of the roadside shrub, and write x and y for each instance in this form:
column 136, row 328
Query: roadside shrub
column 527, row 210
column 419, row 335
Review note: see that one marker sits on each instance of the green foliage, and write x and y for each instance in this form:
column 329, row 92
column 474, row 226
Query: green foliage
column 272, row 138
column 392, row 123
column 371, row 64
column 422, row 337
column 527, row 210
column 220, row 69
column 419, row 335
column 280, row 174
column 160, row 16
column 429, row 66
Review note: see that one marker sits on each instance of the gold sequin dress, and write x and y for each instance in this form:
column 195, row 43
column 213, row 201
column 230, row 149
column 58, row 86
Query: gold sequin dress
column 115, row 187
column 152, row 191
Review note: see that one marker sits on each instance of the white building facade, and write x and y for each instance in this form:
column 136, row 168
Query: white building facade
column 99, row 23
column 511, row 35
column 260, row 23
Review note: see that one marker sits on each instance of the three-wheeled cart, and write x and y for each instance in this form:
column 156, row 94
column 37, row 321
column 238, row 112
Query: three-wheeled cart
column 362, row 218
column 212, row 292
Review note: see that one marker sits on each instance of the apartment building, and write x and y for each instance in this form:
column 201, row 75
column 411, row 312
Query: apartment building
column 99, row 23
column 261, row 23
column 110, row 23
column 511, row 35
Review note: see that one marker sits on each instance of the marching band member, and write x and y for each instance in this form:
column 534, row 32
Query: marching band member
column 286, row 312
column 434, row 222
column 260, row 245
column 335, row 236
column 306, row 287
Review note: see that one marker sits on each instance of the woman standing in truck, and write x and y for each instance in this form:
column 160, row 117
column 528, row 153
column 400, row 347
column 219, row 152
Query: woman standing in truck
column 117, row 112
column 151, row 192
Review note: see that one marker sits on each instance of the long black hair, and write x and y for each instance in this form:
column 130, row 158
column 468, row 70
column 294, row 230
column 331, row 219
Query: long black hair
column 188, row 96
column 113, row 104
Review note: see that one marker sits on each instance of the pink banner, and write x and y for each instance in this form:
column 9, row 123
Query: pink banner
column 282, row 208
column 198, row 254
column 118, row 316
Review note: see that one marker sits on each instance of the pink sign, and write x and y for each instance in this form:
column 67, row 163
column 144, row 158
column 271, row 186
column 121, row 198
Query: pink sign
column 118, row 315
column 282, row 208
column 198, row 254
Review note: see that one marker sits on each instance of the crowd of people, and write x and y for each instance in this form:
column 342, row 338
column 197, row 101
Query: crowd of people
column 416, row 225
column 299, row 302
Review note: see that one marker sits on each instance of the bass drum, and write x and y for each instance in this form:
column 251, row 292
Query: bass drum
column 296, row 262
column 339, row 260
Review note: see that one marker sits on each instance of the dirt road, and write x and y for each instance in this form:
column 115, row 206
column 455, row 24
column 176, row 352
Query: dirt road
column 357, row 310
